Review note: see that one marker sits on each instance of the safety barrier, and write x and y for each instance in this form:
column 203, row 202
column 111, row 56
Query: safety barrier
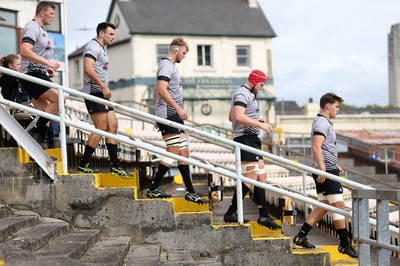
column 237, row 175
column 383, row 239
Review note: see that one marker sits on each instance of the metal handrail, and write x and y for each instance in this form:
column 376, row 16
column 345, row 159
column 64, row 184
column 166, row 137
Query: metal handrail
column 215, row 139
column 377, row 180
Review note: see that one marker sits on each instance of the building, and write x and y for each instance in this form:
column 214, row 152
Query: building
column 348, row 119
column 376, row 129
column 224, row 48
column 394, row 65
column 13, row 17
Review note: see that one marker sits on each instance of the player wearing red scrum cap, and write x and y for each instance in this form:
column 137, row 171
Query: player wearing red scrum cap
column 245, row 117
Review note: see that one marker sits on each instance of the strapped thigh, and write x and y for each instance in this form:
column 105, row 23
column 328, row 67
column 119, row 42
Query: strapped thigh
column 257, row 169
column 172, row 141
column 183, row 144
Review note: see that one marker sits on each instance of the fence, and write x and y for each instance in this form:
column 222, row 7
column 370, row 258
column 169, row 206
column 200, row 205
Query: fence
column 189, row 131
column 384, row 241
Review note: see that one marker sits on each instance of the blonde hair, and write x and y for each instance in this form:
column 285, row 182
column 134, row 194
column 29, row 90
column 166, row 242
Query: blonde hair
column 9, row 59
column 180, row 43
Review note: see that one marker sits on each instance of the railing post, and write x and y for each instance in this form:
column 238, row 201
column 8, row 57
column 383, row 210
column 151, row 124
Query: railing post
column 386, row 162
column 382, row 230
column 63, row 134
column 361, row 227
column 239, row 200
column 305, row 193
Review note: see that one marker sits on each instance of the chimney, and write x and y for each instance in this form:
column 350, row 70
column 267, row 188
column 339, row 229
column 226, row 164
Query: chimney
column 253, row 3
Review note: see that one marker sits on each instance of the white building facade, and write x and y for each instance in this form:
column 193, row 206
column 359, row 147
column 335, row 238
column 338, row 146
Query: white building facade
column 223, row 50
column 13, row 17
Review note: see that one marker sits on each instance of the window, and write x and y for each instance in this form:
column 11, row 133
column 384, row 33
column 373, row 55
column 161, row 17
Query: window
column 8, row 27
column 204, row 55
column 243, row 55
column 162, row 51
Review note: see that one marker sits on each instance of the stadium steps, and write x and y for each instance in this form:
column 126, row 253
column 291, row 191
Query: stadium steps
column 193, row 234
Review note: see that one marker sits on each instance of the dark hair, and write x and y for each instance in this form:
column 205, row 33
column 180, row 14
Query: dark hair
column 329, row 97
column 102, row 27
column 43, row 6
column 9, row 59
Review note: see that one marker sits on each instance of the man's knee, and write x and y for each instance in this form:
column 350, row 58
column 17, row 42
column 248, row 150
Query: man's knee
column 339, row 204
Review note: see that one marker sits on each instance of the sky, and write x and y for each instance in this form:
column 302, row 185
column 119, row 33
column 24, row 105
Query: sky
column 335, row 46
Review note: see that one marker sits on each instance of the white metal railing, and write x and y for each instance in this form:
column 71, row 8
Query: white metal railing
column 189, row 130
column 383, row 239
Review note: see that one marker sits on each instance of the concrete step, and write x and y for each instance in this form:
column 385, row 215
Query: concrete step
column 110, row 251
column 346, row 162
column 390, row 178
column 144, row 254
column 207, row 261
column 368, row 170
column 73, row 244
column 382, row 186
column 10, row 225
column 176, row 257
column 35, row 237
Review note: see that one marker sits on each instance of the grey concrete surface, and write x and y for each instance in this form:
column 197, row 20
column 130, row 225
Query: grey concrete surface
column 100, row 214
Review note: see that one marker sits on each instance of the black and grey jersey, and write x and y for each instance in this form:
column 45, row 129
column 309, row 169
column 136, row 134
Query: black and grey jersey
column 168, row 71
column 36, row 35
column 322, row 126
column 242, row 96
column 95, row 51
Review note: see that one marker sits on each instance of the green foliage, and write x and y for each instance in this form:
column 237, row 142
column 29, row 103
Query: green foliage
column 347, row 107
column 368, row 107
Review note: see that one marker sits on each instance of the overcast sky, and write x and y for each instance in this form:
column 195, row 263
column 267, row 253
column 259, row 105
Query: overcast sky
column 321, row 46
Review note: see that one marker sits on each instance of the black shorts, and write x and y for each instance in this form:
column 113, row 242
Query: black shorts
column 252, row 141
column 164, row 129
column 330, row 186
column 34, row 90
column 93, row 107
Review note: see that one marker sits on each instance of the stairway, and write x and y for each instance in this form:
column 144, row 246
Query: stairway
column 103, row 220
column 26, row 238
column 364, row 167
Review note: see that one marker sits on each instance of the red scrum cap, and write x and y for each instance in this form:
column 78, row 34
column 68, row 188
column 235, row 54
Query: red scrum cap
column 257, row 76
